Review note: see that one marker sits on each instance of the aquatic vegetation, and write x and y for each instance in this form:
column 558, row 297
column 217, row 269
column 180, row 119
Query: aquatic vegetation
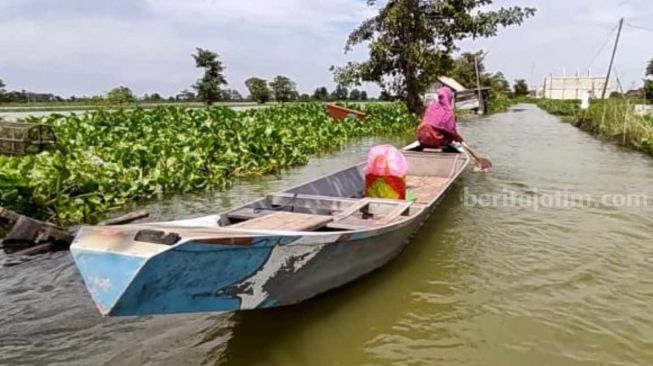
column 613, row 119
column 617, row 120
column 500, row 103
column 565, row 108
column 105, row 159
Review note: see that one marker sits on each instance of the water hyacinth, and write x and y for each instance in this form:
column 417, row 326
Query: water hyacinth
column 107, row 158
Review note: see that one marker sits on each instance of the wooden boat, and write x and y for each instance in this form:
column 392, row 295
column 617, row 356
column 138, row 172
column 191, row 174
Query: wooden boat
column 278, row 250
column 340, row 113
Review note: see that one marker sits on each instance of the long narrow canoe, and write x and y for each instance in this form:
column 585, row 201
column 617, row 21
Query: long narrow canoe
column 278, row 250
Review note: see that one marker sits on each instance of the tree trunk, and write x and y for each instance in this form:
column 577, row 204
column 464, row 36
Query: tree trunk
column 413, row 97
column 414, row 103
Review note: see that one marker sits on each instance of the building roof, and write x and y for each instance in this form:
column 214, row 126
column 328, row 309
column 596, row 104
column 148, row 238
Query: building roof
column 452, row 83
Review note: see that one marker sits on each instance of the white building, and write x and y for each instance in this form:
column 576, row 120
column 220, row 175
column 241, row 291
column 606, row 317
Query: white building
column 573, row 87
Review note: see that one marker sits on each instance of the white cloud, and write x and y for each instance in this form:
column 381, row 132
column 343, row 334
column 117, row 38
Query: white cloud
column 565, row 36
column 86, row 47
column 311, row 16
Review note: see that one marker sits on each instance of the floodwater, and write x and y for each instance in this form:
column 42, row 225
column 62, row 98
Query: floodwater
column 548, row 260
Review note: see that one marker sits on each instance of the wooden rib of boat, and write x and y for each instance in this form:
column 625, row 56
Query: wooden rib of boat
column 278, row 250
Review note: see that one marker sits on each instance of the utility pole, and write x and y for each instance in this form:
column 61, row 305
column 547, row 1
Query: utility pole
column 481, row 108
column 614, row 53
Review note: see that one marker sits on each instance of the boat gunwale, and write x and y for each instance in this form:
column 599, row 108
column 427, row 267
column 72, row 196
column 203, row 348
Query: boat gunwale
column 210, row 232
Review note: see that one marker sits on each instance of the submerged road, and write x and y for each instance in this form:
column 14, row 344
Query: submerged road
column 545, row 261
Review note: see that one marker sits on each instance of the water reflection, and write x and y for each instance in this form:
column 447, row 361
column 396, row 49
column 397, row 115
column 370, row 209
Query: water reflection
column 350, row 318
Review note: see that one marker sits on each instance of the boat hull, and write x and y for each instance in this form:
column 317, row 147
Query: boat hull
column 205, row 277
column 222, row 269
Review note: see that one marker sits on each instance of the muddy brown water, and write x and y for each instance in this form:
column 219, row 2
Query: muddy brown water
column 538, row 263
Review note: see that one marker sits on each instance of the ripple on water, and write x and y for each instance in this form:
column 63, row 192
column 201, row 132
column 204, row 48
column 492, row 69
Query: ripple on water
column 495, row 285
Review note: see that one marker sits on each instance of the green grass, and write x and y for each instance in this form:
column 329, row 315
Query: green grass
column 612, row 119
column 499, row 103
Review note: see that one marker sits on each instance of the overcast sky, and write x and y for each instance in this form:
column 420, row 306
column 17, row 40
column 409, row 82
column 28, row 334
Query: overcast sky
column 86, row 47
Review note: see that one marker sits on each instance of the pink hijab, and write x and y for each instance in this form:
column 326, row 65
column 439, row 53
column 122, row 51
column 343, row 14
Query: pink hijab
column 440, row 115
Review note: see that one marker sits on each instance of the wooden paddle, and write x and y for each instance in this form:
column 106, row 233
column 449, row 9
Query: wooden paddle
column 482, row 163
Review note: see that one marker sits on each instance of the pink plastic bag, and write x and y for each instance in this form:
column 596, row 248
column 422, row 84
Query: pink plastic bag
column 385, row 173
column 386, row 160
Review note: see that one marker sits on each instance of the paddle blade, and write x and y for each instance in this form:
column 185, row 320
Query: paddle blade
column 483, row 165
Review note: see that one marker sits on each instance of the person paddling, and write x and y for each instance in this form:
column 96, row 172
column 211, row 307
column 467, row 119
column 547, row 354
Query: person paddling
column 439, row 130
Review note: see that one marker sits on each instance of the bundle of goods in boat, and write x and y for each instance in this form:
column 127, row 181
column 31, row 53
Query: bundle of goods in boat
column 385, row 173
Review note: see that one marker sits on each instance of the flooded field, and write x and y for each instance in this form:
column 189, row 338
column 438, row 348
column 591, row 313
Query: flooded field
column 544, row 261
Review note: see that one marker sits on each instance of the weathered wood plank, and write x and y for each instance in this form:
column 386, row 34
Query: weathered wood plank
column 126, row 219
column 28, row 230
column 426, row 188
column 44, row 236
column 287, row 221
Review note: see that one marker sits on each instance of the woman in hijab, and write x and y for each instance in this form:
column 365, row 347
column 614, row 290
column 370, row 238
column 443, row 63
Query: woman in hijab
column 438, row 128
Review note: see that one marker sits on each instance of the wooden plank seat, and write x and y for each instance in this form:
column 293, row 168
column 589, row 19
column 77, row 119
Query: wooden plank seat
column 247, row 213
column 425, row 188
column 350, row 220
column 353, row 209
column 287, row 221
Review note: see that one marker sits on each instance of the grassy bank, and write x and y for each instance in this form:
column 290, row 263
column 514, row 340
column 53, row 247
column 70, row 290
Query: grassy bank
column 105, row 159
column 613, row 119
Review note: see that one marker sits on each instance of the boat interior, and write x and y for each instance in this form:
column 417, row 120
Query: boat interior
column 336, row 202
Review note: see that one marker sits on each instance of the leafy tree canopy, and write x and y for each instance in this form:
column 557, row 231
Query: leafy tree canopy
column 340, row 93
column 355, row 94
column 521, row 88
column 410, row 42
column 284, row 89
column 186, row 96
column 120, row 95
column 464, row 69
column 497, row 82
column 321, row 93
column 258, row 90
column 208, row 87
column 230, row 95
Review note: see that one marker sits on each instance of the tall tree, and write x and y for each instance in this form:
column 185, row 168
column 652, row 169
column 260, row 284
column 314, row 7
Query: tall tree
column 258, row 90
column 284, row 89
column 208, row 87
column 340, row 93
column 363, row 95
column 231, row 95
column 385, row 96
column 120, row 95
column 410, row 42
column 355, row 94
column 321, row 93
column 464, row 69
column 649, row 68
column 498, row 83
column 521, row 88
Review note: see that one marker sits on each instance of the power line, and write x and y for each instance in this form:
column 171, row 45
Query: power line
column 639, row 27
column 605, row 43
